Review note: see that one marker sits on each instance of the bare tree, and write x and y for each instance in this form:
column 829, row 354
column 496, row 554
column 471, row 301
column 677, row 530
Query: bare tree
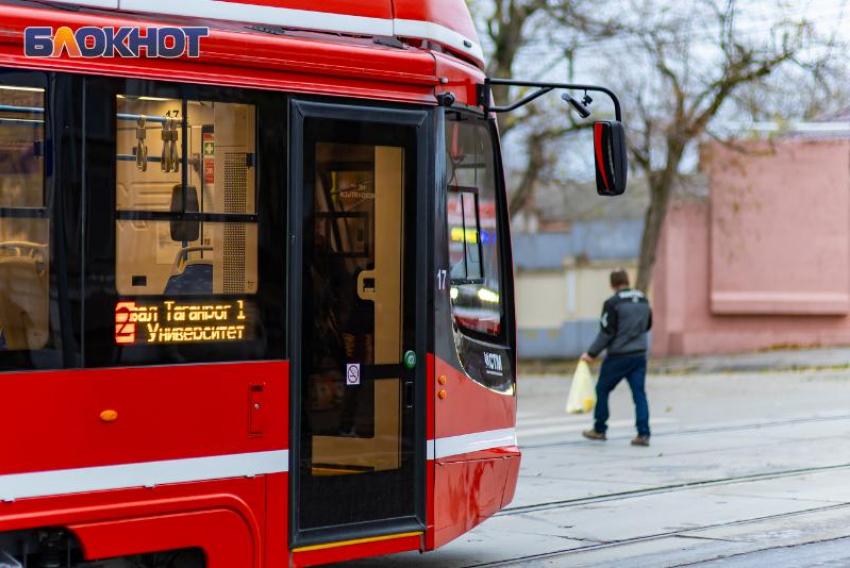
column 686, row 74
column 813, row 92
column 677, row 66
column 509, row 26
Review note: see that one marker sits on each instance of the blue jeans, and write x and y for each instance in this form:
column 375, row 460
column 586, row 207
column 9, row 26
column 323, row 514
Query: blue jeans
column 633, row 369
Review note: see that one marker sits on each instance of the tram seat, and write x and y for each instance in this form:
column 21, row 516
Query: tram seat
column 195, row 279
column 23, row 302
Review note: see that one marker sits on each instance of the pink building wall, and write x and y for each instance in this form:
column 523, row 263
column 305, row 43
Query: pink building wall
column 765, row 261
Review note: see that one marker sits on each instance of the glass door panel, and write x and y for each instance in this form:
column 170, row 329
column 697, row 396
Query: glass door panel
column 356, row 424
column 357, row 256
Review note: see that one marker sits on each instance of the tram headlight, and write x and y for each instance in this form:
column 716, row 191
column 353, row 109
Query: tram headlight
column 454, row 292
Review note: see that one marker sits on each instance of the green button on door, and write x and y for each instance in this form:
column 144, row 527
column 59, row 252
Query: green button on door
column 410, row 359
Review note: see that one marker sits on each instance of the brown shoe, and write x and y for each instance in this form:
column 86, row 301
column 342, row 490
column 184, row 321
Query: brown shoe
column 594, row 435
column 641, row 441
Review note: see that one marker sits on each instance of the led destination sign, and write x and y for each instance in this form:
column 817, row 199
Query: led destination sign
column 170, row 322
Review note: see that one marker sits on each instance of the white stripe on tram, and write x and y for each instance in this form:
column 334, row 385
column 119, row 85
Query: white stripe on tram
column 269, row 15
column 468, row 443
column 147, row 474
column 308, row 20
column 440, row 34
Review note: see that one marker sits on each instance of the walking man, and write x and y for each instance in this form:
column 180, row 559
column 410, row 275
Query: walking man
column 626, row 319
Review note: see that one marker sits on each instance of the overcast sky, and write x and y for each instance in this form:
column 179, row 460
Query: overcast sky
column 755, row 19
column 542, row 59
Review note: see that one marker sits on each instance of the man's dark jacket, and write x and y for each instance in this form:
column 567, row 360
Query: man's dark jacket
column 626, row 317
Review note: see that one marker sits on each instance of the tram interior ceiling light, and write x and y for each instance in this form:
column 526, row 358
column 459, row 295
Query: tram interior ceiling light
column 21, row 89
column 144, row 98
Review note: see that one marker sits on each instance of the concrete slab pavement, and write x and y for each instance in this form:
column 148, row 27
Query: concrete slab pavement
column 740, row 463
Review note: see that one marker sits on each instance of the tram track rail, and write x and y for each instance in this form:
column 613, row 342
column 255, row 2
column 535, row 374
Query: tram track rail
column 671, row 488
column 607, row 545
column 564, row 553
column 688, row 485
column 696, row 431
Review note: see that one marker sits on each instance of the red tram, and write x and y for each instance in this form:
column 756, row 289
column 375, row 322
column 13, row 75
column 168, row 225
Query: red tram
column 256, row 301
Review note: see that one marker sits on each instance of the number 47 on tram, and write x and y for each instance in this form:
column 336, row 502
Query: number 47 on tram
column 256, row 297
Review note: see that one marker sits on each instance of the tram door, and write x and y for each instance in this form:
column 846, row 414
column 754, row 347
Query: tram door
column 357, row 357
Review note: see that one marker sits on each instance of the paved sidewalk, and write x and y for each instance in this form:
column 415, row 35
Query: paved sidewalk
column 834, row 358
column 773, row 361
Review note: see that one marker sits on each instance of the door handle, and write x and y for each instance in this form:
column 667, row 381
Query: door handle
column 366, row 285
column 409, row 395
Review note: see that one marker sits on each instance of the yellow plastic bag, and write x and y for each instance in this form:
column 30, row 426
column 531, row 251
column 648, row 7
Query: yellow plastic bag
column 582, row 397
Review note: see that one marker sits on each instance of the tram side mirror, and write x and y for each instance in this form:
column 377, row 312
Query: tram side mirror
column 609, row 142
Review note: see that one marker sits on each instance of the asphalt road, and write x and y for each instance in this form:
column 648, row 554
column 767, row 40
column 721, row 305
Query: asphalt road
column 748, row 469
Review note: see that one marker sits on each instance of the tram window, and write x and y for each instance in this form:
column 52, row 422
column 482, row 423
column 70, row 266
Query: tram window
column 24, row 224
column 184, row 263
column 218, row 138
column 21, row 142
column 185, row 198
column 465, row 236
column 474, row 255
column 222, row 259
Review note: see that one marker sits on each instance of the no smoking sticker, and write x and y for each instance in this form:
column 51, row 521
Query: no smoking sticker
column 352, row 374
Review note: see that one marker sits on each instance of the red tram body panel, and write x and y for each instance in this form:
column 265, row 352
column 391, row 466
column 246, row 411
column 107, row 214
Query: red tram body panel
column 350, row 395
